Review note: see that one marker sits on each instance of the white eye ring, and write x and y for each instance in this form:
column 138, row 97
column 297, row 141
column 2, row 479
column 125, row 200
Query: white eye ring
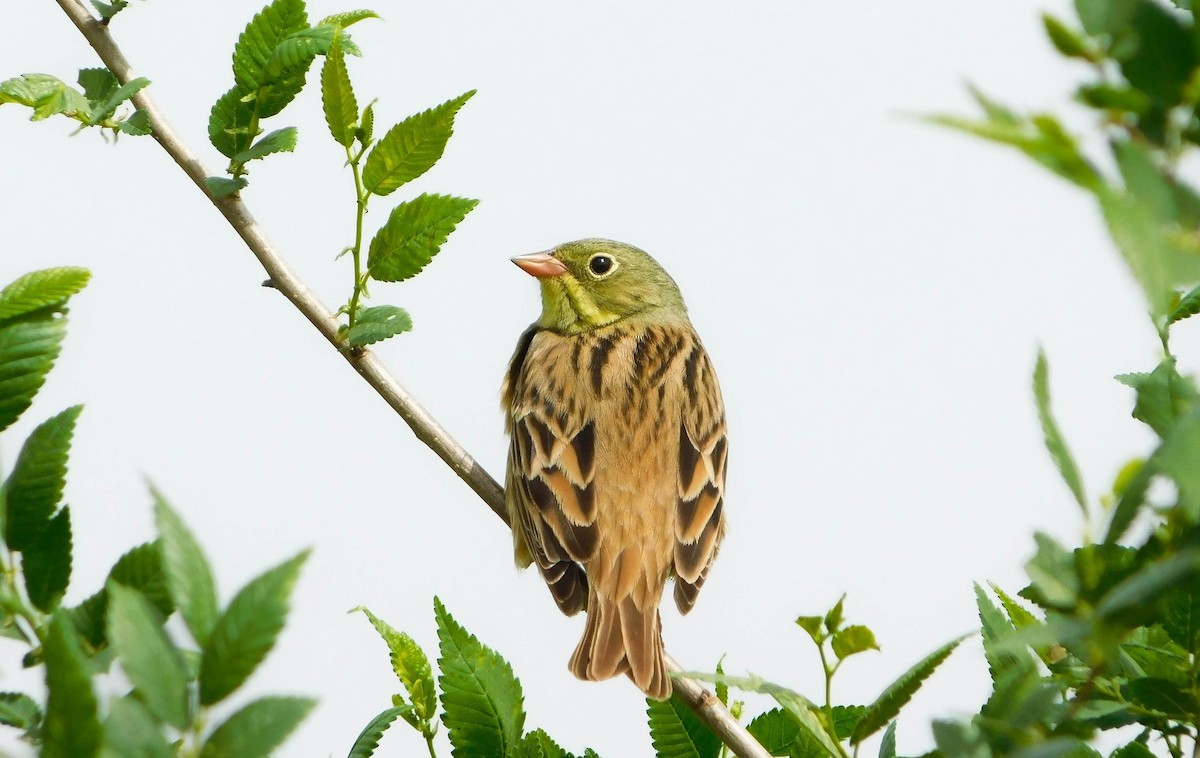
column 601, row 265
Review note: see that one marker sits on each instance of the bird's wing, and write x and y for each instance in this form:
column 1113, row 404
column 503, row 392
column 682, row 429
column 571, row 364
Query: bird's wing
column 703, row 451
column 551, row 470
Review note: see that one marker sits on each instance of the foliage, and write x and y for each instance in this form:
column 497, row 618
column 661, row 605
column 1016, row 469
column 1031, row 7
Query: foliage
column 1113, row 641
column 172, row 686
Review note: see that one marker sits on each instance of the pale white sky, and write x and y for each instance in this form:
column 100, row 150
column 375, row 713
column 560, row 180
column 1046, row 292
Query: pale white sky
column 872, row 291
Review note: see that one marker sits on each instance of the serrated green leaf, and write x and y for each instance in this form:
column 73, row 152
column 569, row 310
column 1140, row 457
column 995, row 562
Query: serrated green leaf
column 366, row 130
column 887, row 706
column 1052, row 436
column 1133, row 749
column 676, row 730
column 411, row 147
column 246, row 632
column 46, row 95
column 19, row 710
column 887, row 746
column 98, row 84
column 1017, row 613
column 779, row 734
column 1181, row 616
column 845, row 718
column 377, row 324
column 131, row 732
column 721, row 689
column 219, row 186
column 481, row 699
column 1144, row 586
column 1053, row 573
column 35, row 486
column 148, row 658
column 140, row 569
column 411, row 666
column 278, row 141
column 812, row 625
column 47, row 563
column 347, row 18
column 28, row 348
column 186, row 571
column 1189, row 305
column 1162, row 396
column 258, row 728
column 1162, row 696
column 337, row 95
column 959, row 739
column 853, row 639
column 413, row 234
column 72, row 727
column 103, row 110
column 41, row 289
column 271, row 26
column 229, row 124
column 295, row 53
column 833, row 619
column 368, row 739
column 137, row 125
column 1177, row 459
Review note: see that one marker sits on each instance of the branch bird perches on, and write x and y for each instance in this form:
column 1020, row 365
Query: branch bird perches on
column 368, row 366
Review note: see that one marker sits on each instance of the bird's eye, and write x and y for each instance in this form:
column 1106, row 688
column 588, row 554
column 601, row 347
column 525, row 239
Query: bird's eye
column 602, row 265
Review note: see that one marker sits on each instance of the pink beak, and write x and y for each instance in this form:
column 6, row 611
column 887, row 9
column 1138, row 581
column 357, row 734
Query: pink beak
column 541, row 265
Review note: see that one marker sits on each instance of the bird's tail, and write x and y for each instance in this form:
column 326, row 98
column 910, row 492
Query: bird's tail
column 621, row 638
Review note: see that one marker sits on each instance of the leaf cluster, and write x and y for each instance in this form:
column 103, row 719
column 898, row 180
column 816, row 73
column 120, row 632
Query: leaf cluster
column 173, row 686
column 95, row 103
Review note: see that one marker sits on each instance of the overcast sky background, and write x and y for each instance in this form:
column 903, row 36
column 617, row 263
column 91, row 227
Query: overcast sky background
column 872, row 291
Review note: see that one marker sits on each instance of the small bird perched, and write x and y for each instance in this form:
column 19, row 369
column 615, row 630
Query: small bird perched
column 616, row 465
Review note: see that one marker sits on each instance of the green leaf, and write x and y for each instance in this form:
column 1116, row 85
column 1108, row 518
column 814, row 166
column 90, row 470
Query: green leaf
column 1040, row 137
column 1177, row 459
column 1020, row 617
column 776, row 730
column 1189, row 305
column 139, row 569
column 108, row 10
column 1162, row 696
column 377, row 324
column 1053, row 573
column 229, row 124
column 722, row 689
column 103, row 110
column 265, row 31
column 47, row 563
column 1181, row 616
column 294, row 54
column 131, row 732
column 186, row 570
column 151, row 662
column 219, row 186
column 958, row 739
column 98, row 84
column 72, row 726
column 366, row 130
column 1145, row 586
column 887, row 746
column 278, row 141
column 137, row 125
column 1133, row 749
column 1119, row 98
column 806, row 713
column 812, row 625
column 258, row 728
column 337, row 96
column 1163, row 61
column 411, row 666
column 49, row 287
column 28, row 349
column 347, row 18
column 996, row 628
column 368, row 739
column 46, row 95
column 676, row 730
column 1055, row 443
column 19, row 710
column 35, row 486
column 1162, row 396
column 853, row 639
column 1157, row 256
column 1068, row 41
column 246, row 632
column 411, row 147
column 481, row 699
column 413, row 234
column 887, row 706
column 833, row 619
column 846, row 718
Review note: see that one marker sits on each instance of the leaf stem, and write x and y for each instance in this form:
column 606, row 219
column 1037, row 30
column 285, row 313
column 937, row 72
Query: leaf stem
column 361, row 197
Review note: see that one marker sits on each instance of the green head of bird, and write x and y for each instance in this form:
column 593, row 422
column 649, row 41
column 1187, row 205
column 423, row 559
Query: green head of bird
column 596, row 282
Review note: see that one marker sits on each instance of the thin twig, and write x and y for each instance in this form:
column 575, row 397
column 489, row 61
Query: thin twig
column 370, row 368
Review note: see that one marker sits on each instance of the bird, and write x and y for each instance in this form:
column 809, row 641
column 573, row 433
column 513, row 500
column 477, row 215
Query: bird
column 617, row 452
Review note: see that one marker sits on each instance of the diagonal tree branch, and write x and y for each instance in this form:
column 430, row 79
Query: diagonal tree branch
column 368, row 366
